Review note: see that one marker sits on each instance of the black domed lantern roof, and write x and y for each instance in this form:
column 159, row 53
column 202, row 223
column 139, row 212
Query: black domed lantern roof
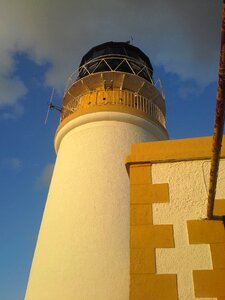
column 116, row 56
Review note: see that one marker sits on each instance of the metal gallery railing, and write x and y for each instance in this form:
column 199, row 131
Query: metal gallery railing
column 110, row 63
column 122, row 98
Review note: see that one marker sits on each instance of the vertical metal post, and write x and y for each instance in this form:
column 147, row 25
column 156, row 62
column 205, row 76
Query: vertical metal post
column 219, row 122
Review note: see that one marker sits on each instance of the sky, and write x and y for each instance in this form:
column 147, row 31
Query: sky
column 41, row 44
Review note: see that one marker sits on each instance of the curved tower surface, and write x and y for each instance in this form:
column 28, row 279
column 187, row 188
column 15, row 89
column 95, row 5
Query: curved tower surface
column 82, row 250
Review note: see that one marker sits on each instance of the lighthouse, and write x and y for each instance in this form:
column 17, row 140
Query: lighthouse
column 82, row 251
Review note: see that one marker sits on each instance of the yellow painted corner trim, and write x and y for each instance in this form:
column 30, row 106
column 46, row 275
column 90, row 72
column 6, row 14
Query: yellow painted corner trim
column 140, row 174
column 151, row 236
column 142, row 261
column 172, row 150
column 140, row 214
column 206, row 231
column 153, row 286
column 219, row 207
column 218, row 255
column 149, row 193
column 145, row 237
column 209, row 283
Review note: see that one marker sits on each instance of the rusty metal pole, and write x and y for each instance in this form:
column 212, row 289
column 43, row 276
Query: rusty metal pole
column 219, row 123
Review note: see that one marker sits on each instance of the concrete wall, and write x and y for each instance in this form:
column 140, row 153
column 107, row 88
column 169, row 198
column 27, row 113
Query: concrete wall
column 188, row 188
column 175, row 252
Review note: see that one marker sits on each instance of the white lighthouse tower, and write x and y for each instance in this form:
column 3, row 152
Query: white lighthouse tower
column 82, row 251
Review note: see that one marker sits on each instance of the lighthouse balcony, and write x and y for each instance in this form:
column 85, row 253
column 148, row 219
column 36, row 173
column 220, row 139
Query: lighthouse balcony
column 114, row 100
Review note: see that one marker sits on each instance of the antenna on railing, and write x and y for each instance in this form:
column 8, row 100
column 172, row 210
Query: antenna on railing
column 51, row 106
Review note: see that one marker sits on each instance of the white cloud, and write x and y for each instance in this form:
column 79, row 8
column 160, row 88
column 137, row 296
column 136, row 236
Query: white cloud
column 7, row 116
column 11, row 90
column 187, row 90
column 44, row 179
column 12, row 113
column 12, row 163
column 183, row 36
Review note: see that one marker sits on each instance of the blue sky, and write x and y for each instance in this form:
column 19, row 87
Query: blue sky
column 41, row 44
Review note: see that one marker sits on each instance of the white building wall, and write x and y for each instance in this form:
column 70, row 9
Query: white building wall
column 83, row 246
column 188, row 186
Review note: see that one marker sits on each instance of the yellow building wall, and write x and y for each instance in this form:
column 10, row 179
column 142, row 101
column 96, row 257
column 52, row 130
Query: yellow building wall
column 174, row 253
